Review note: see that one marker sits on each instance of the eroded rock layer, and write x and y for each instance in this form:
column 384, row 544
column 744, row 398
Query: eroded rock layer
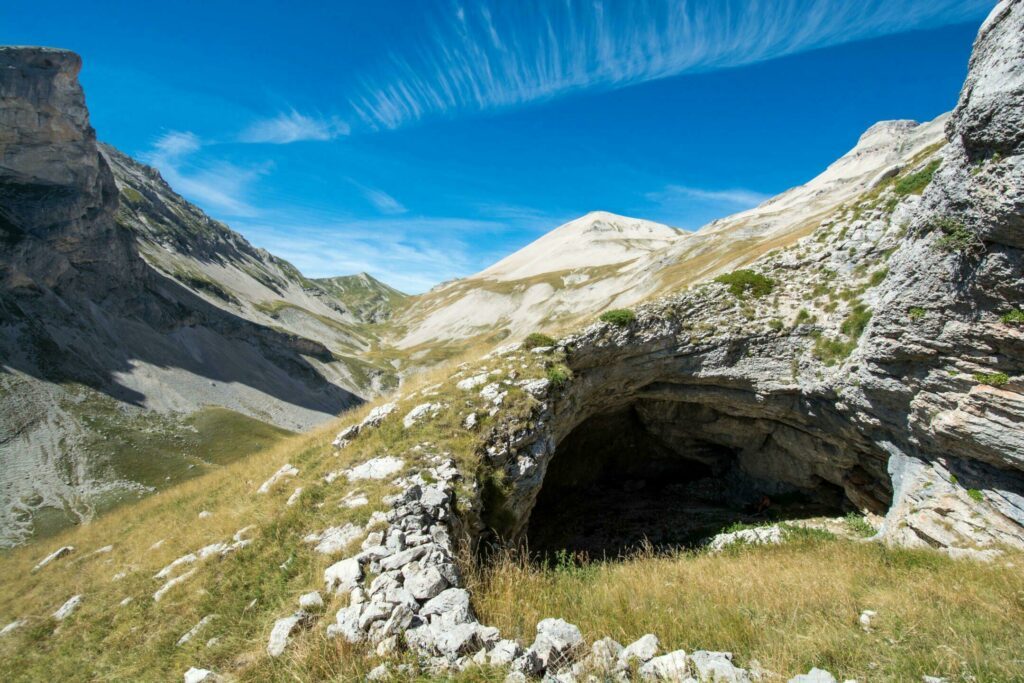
column 884, row 361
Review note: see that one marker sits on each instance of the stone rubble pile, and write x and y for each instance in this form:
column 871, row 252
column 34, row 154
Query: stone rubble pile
column 416, row 600
column 374, row 419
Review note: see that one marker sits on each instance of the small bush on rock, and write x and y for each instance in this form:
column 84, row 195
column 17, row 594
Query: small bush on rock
column 538, row 340
column 917, row 313
column 916, row 182
column 975, row 495
column 993, row 379
column 1014, row 317
column 618, row 316
column 956, row 237
column 743, row 282
column 559, row 374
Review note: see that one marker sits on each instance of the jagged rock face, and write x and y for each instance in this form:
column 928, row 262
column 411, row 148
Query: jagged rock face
column 57, row 194
column 885, row 399
column 988, row 118
column 89, row 331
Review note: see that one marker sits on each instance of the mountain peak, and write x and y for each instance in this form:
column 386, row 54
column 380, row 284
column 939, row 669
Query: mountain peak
column 596, row 239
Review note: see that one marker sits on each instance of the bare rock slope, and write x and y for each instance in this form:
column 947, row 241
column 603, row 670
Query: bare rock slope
column 878, row 361
column 602, row 260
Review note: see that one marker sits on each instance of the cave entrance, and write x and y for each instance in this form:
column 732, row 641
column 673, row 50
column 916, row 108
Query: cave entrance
column 667, row 476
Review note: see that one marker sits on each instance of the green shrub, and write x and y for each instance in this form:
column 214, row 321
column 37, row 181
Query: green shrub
column 975, row 495
column 832, row 351
column 1014, row 317
column 743, row 282
column 993, row 379
column 618, row 316
column 537, row 340
column 559, row 374
column 915, row 183
column 877, row 277
column 854, row 324
column 775, row 324
column 956, row 237
column 916, row 313
column 802, row 316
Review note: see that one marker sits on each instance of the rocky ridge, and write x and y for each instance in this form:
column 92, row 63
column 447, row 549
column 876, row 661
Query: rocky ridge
column 124, row 311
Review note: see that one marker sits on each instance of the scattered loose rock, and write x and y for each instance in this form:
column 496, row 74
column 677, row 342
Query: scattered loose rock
column 13, row 626
column 815, row 675
column 68, row 608
column 194, row 675
column 419, row 412
column 281, row 634
column 55, row 555
column 194, row 631
column 377, row 468
column 283, row 473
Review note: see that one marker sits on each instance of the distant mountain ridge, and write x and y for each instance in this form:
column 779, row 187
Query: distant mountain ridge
column 604, row 260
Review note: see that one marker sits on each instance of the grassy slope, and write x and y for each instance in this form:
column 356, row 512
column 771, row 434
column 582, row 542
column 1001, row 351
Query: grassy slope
column 790, row 607
column 152, row 449
column 105, row 641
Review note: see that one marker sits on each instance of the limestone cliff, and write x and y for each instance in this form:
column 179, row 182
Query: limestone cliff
column 879, row 359
column 123, row 318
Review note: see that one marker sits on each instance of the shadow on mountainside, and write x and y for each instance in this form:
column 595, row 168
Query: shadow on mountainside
column 72, row 337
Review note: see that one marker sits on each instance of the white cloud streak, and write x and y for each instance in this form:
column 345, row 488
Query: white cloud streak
column 489, row 54
column 680, row 194
column 218, row 186
column 381, row 200
column 292, row 126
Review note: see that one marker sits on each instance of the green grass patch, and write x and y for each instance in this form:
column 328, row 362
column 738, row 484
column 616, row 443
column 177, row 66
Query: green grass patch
column 858, row 525
column 1014, row 317
column 618, row 316
column 877, row 277
column 746, row 282
column 559, row 374
column 538, row 340
column 916, row 313
column 855, row 322
column 915, row 183
column 993, row 379
column 956, row 237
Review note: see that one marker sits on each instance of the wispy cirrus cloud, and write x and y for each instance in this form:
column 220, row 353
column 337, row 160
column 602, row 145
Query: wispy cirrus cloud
column 381, row 200
column 216, row 185
column 731, row 198
column 489, row 54
column 293, row 126
column 690, row 207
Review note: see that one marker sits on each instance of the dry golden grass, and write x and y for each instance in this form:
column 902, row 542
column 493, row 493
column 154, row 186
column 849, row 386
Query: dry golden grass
column 246, row 590
column 790, row 607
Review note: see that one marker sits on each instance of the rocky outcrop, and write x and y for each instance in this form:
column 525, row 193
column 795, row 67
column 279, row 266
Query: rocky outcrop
column 57, row 194
column 88, row 327
column 882, row 372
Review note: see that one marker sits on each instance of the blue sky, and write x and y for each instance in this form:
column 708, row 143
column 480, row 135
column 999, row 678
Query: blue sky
column 422, row 140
